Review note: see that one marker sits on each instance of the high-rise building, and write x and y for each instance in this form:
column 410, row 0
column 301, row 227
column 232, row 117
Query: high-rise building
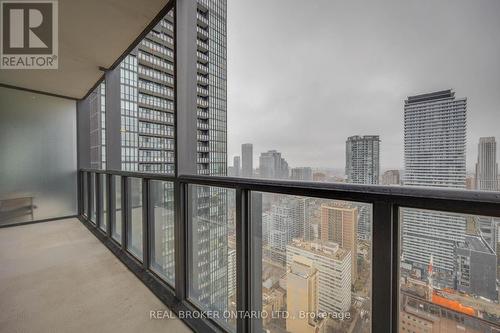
column 273, row 166
column 486, row 166
column 334, row 272
column 301, row 295
column 363, row 159
column 236, row 166
column 303, row 173
column 286, row 222
column 98, row 127
column 391, row 177
column 210, row 279
column 434, row 139
column 434, row 143
column 141, row 89
column 339, row 224
column 247, row 160
column 363, row 167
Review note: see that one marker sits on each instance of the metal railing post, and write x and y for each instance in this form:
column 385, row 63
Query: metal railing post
column 79, row 190
column 242, row 262
column 146, row 223
column 384, row 271
column 110, row 204
column 98, row 198
column 180, row 240
column 90, row 190
column 125, row 211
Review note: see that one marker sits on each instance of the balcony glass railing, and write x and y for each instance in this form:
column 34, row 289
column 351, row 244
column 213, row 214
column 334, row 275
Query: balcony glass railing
column 202, row 20
column 202, row 45
column 202, row 113
column 334, row 254
column 202, row 79
column 203, row 57
column 202, row 68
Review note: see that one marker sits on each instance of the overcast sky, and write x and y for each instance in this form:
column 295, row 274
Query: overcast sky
column 305, row 75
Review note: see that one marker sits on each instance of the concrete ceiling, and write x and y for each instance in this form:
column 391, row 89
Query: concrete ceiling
column 92, row 34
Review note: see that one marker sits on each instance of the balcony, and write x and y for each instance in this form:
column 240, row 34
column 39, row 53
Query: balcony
column 202, row 69
column 202, row 33
column 62, row 260
column 202, row 20
column 203, row 149
column 203, row 137
column 203, row 126
column 202, row 57
column 202, row 91
column 202, row 45
column 202, row 113
column 202, row 80
column 105, row 250
column 202, row 102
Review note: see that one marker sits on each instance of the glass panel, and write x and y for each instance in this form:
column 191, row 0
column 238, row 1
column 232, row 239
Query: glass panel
column 104, row 200
column 93, row 198
column 38, row 177
column 116, row 227
column 212, row 262
column 449, row 269
column 134, row 236
column 162, row 241
column 316, row 263
column 85, row 194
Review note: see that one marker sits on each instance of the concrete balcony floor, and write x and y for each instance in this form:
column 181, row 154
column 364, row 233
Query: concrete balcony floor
column 57, row 277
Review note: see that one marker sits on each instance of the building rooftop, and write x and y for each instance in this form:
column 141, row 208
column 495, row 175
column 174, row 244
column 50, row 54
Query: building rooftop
column 475, row 243
column 429, row 97
column 324, row 248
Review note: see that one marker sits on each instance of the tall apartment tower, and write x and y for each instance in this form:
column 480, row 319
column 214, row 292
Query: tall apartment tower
column 247, row 160
column 486, row 166
column 210, row 279
column 339, row 224
column 363, row 159
column 236, row 166
column 363, row 167
column 143, row 89
column 434, row 150
column 140, row 127
column 434, row 140
column 286, row 222
column 273, row 166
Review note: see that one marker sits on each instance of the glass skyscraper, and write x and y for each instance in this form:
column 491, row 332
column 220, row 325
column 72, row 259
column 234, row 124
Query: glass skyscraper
column 434, row 141
column 142, row 88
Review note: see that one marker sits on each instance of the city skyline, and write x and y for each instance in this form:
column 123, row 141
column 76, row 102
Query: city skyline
column 470, row 169
column 269, row 110
column 158, row 156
